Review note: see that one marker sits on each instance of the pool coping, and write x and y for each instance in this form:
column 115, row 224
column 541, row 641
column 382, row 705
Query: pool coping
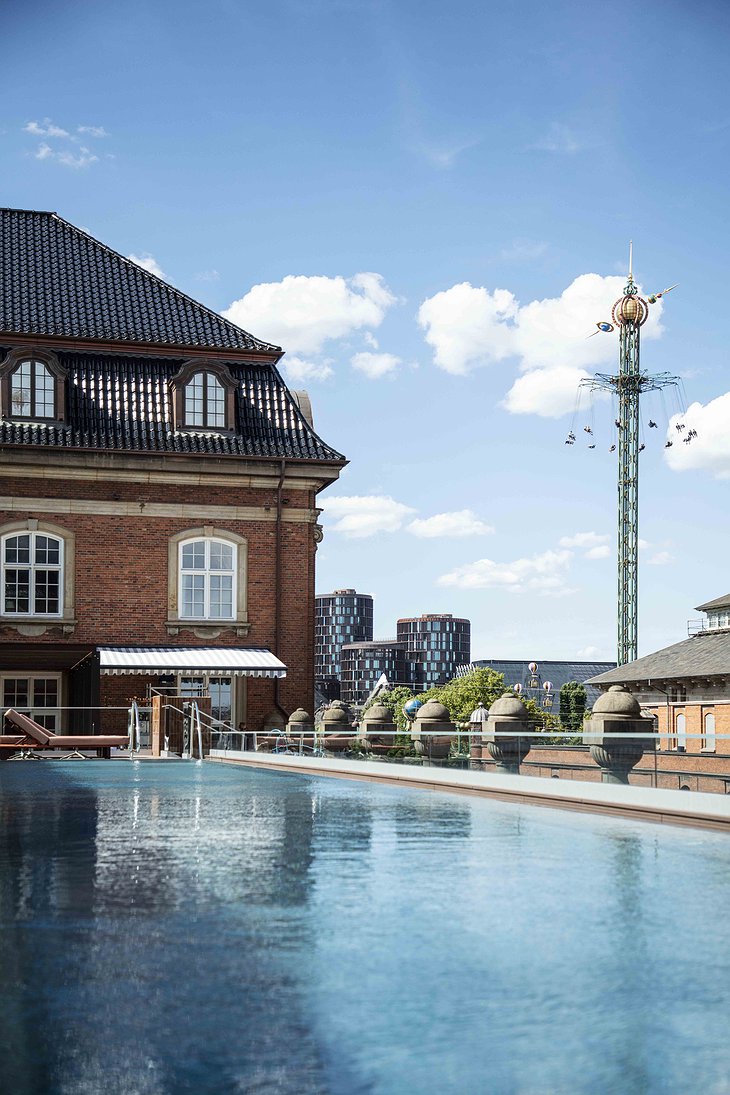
column 692, row 808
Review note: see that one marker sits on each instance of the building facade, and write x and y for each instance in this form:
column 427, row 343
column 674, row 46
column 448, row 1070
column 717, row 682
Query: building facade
column 436, row 645
column 342, row 617
column 686, row 686
column 363, row 664
column 158, row 494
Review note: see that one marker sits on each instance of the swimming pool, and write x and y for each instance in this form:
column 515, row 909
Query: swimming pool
column 178, row 927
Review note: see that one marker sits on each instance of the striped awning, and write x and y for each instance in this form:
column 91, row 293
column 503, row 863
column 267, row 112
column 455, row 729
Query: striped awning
column 234, row 661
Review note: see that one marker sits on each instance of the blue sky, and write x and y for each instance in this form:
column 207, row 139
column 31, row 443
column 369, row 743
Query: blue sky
column 410, row 198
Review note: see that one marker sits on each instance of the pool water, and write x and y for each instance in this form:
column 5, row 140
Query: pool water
column 177, row 927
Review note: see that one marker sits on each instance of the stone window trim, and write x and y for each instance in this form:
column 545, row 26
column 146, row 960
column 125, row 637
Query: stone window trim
column 60, row 376
column 177, row 394
column 31, row 625
column 207, row 629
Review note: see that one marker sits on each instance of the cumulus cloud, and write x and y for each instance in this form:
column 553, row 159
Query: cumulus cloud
column 149, row 263
column 375, row 365
column 710, row 449
column 303, row 313
column 92, row 130
column 44, row 151
column 544, row 573
column 661, row 559
column 46, row 128
column 82, row 158
column 358, row 516
column 584, row 540
column 463, row 522
column 601, row 552
column 300, row 371
column 469, row 327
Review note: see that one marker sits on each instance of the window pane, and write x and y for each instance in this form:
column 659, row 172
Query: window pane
column 216, row 402
column 193, row 595
column 43, row 391
column 45, row 692
column 47, row 550
column 193, row 555
column 46, row 598
column 20, row 389
column 15, row 692
column 194, row 401
column 17, row 549
column 17, row 591
column 221, row 596
column 221, row 556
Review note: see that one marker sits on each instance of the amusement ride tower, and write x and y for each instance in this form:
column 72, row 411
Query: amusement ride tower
column 629, row 314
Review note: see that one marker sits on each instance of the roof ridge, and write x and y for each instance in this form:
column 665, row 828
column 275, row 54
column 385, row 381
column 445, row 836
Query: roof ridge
column 161, row 281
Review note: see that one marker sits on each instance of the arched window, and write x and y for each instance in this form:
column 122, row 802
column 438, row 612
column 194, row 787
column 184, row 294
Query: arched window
column 681, row 732
column 207, row 572
column 708, row 743
column 205, row 402
column 203, row 396
column 32, row 574
column 32, row 386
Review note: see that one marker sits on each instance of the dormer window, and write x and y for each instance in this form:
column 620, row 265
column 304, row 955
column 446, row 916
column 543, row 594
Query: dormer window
column 32, row 386
column 203, row 397
column 205, row 402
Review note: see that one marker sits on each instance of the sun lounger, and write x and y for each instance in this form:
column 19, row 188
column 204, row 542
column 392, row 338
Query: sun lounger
column 38, row 737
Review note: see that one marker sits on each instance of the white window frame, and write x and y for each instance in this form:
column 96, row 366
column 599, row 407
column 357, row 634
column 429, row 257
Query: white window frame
column 207, row 574
column 30, row 708
column 33, row 568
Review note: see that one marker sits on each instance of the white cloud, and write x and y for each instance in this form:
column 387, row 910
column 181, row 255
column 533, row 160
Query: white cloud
column 358, row 516
column 470, row 326
column 558, row 138
column 149, row 263
column 46, row 128
column 710, row 449
column 584, row 540
column 375, row 366
column 44, row 152
column 544, row 573
column 92, row 130
column 601, row 552
column 299, row 371
column 661, row 559
column 83, row 158
column 587, row 653
column 463, row 522
column 303, row 313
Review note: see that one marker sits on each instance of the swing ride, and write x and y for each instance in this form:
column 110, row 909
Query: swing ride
column 627, row 386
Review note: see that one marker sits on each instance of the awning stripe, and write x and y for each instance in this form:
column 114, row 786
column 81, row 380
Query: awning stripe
column 236, row 661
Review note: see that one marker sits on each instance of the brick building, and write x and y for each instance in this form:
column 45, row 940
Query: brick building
column 686, row 687
column 158, row 493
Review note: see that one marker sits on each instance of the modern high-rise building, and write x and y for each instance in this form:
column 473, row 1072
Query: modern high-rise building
column 363, row 664
column 344, row 616
column 436, row 645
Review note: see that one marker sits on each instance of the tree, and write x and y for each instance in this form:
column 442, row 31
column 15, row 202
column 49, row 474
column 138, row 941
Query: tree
column 393, row 699
column 463, row 694
column 573, row 699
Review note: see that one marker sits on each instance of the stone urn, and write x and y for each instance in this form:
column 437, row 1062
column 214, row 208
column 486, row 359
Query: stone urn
column 335, row 727
column 433, row 718
column 505, row 733
column 377, row 729
column 616, row 712
column 300, row 725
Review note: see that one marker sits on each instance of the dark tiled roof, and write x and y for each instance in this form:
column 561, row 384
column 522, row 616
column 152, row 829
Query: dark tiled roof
column 56, row 280
column 122, row 402
column 719, row 602
column 706, row 654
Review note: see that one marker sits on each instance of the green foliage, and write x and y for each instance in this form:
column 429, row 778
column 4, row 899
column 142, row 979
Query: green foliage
column 463, row 694
column 393, row 699
column 573, row 700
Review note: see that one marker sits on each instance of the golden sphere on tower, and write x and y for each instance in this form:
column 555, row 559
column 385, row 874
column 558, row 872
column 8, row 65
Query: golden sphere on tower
column 630, row 309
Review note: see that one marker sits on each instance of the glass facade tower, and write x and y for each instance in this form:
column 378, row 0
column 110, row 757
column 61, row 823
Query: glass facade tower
column 344, row 616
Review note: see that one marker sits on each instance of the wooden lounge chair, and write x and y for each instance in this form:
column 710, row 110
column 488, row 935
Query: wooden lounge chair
column 37, row 737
